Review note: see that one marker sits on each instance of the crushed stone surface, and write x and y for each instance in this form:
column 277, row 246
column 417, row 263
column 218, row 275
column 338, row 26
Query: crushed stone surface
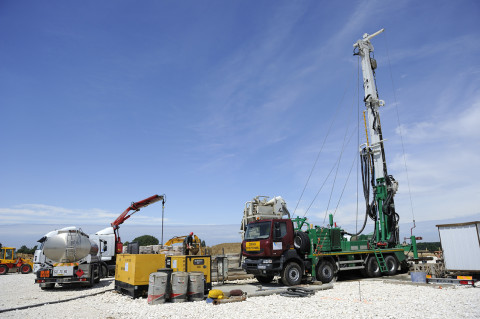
column 348, row 299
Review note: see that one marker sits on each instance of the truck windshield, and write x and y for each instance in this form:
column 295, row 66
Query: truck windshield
column 258, row 230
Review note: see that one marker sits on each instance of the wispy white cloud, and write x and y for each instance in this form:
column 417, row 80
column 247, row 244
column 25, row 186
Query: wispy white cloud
column 48, row 214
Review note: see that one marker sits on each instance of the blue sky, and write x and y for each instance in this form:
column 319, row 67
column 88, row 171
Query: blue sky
column 215, row 102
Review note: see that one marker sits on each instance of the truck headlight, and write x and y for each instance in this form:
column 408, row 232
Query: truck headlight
column 267, row 261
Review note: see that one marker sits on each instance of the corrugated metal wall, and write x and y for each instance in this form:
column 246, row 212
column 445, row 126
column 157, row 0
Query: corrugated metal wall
column 461, row 246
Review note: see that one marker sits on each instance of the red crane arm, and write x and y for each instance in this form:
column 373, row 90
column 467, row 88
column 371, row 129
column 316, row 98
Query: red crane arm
column 135, row 207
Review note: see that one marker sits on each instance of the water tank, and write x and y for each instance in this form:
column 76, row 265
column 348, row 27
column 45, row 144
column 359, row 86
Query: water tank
column 69, row 246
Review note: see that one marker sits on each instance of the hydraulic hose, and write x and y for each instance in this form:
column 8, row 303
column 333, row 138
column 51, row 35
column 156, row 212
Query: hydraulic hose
column 52, row 302
column 298, row 292
column 366, row 182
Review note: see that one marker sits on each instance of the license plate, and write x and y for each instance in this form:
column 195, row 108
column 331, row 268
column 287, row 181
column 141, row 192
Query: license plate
column 45, row 273
column 63, row 271
column 252, row 245
column 262, row 267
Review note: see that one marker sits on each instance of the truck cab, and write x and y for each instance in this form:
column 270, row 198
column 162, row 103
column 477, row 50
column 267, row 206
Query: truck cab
column 268, row 247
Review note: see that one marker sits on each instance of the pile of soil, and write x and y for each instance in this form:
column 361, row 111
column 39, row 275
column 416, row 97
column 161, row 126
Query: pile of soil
column 227, row 248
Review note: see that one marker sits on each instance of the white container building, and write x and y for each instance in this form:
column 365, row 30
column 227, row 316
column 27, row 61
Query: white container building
column 461, row 246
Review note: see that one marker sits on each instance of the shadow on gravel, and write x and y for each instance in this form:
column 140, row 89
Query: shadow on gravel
column 342, row 277
column 78, row 286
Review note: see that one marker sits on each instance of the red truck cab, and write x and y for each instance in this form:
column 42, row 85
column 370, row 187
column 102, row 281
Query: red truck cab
column 268, row 247
column 268, row 238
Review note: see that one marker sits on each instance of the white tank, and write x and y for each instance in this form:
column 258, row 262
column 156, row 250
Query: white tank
column 69, row 246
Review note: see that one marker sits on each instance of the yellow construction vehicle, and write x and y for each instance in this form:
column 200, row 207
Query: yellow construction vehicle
column 10, row 263
column 196, row 247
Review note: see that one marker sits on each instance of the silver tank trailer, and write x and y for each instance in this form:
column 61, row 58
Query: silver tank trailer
column 69, row 246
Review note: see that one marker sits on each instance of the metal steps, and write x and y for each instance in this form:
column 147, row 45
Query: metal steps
column 380, row 260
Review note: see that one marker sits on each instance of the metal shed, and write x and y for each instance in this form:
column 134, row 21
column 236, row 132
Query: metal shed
column 461, row 246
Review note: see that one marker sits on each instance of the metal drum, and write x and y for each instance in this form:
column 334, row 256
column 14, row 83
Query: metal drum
column 179, row 286
column 196, row 286
column 157, row 288
column 167, row 271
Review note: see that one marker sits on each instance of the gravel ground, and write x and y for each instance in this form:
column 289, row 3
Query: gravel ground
column 358, row 299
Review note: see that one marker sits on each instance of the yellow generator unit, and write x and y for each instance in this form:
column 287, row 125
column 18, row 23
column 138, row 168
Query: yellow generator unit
column 132, row 272
column 193, row 263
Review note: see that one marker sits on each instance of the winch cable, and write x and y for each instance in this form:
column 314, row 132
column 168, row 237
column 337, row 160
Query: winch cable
column 399, row 127
column 355, row 160
column 358, row 143
column 344, row 144
column 325, row 180
column 366, row 162
column 53, row 302
column 345, row 185
column 320, row 189
column 321, row 149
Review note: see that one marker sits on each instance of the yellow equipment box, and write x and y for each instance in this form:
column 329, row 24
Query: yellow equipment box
column 132, row 272
column 192, row 263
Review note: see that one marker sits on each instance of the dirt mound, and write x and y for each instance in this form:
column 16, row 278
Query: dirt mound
column 227, row 248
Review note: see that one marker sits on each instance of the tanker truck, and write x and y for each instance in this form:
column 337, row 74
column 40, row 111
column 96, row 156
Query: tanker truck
column 67, row 256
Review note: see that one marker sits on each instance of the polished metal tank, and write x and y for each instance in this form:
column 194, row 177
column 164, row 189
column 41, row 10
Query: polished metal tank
column 69, row 246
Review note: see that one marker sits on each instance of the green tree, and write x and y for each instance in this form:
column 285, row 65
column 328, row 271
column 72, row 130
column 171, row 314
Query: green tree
column 146, row 240
column 23, row 250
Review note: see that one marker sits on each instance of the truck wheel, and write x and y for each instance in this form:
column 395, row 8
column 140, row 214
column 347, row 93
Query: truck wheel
column 104, row 271
column 301, row 242
column 97, row 273
column 91, row 280
column 291, row 274
column 25, row 269
column 325, row 271
column 3, row 270
column 264, row 279
column 404, row 267
column 373, row 270
column 392, row 265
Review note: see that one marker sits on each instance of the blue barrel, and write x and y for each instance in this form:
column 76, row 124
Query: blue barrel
column 419, row 276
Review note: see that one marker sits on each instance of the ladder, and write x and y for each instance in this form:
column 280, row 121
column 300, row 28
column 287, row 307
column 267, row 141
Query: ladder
column 380, row 260
column 72, row 242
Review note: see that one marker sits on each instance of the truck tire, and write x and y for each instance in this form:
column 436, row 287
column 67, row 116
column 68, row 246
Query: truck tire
column 325, row 271
column 264, row 279
column 301, row 242
column 3, row 269
column 90, row 281
column 404, row 267
column 25, row 269
column 372, row 269
column 292, row 274
column 104, row 269
column 392, row 265
column 97, row 273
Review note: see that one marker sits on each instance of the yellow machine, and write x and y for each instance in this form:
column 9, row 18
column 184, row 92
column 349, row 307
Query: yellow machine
column 197, row 244
column 132, row 272
column 10, row 263
column 192, row 263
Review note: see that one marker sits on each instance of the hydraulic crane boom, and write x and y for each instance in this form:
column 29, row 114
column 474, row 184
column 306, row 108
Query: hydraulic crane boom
column 132, row 209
